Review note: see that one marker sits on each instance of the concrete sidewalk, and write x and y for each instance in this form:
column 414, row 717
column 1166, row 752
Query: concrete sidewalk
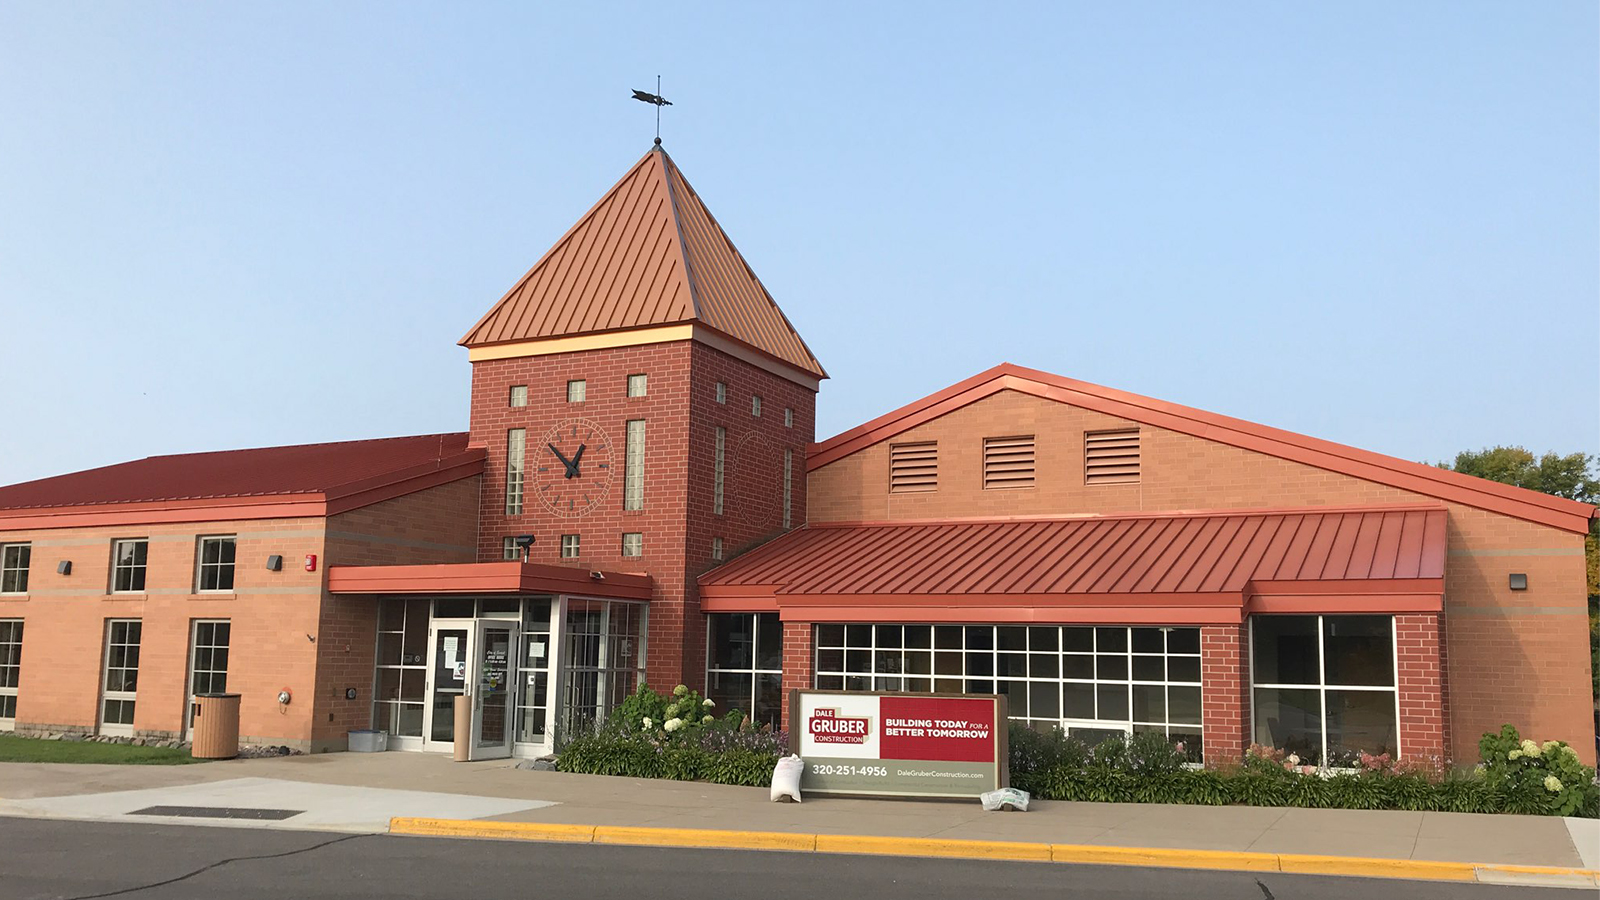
column 360, row 791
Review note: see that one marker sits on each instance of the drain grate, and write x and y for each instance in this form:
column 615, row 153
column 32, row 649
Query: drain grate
column 218, row 812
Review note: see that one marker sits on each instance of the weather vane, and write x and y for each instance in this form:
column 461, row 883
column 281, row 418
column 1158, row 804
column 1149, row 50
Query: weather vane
column 658, row 101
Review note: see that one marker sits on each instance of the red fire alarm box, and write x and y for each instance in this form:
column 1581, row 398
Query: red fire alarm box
column 311, row 562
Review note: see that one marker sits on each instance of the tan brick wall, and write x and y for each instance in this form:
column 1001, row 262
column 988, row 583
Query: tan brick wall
column 271, row 613
column 1518, row 657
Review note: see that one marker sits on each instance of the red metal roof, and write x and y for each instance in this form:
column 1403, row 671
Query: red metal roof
column 1419, row 478
column 649, row 253
column 332, row 470
column 1130, row 559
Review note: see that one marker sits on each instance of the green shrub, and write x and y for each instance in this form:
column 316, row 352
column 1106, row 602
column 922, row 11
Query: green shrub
column 1516, row 776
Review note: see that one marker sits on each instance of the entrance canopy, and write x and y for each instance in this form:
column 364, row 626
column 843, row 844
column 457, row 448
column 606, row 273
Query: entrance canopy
column 1168, row 568
column 487, row 578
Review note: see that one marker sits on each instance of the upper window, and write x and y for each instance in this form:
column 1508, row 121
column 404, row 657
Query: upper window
column 722, row 392
column 216, row 563
column 509, row 549
column 1008, row 462
column 717, row 467
column 633, row 466
column 913, row 468
column 716, row 548
column 632, row 543
column 516, row 454
column 14, row 561
column 128, row 560
column 569, row 546
column 788, row 417
column 1324, row 686
column 638, row 385
column 788, row 487
column 577, row 390
column 519, row 395
column 755, row 406
column 1111, row 457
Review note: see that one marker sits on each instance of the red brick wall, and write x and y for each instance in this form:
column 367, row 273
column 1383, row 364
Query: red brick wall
column 1515, row 656
column 437, row 525
column 677, row 521
column 797, row 661
column 1418, row 677
column 1224, row 692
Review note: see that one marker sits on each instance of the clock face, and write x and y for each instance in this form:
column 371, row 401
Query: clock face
column 574, row 468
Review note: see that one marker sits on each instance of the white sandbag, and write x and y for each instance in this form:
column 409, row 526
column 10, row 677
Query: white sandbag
column 1008, row 799
column 786, row 779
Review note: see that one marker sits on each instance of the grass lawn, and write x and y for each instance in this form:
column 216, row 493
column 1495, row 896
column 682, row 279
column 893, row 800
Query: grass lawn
column 15, row 749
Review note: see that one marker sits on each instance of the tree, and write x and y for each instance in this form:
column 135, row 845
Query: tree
column 1564, row 476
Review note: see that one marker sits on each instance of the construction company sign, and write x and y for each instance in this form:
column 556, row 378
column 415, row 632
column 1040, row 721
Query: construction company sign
column 906, row 745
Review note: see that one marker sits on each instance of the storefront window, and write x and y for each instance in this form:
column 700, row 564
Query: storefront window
column 1324, row 686
column 744, row 665
column 603, row 654
column 533, row 671
column 1094, row 681
column 402, row 667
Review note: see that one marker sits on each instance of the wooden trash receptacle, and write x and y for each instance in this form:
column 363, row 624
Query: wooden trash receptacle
column 215, row 731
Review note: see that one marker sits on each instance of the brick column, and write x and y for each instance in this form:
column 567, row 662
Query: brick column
column 1420, row 680
column 1224, row 687
column 797, row 660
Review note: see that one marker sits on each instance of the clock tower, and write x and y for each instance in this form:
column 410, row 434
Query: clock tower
column 645, row 405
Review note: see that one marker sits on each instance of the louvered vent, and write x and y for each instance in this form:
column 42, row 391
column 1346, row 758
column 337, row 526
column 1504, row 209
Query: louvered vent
column 913, row 468
column 1008, row 462
column 1111, row 457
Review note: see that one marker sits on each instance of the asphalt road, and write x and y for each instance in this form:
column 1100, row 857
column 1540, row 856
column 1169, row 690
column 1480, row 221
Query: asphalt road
column 84, row 860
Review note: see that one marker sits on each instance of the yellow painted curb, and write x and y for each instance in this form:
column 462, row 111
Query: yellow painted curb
column 903, row 846
column 1302, row 864
column 700, row 837
column 524, row 831
column 1154, row 856
column 1091, row 854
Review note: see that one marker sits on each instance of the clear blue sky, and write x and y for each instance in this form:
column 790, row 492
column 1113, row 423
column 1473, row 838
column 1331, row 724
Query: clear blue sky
column 229, row 225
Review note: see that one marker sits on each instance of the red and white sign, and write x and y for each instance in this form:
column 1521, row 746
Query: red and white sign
column 928, row 745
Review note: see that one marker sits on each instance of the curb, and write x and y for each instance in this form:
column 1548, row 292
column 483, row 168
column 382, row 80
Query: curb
column 1295, row 863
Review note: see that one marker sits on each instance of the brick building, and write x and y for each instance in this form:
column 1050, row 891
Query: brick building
column 639, row 496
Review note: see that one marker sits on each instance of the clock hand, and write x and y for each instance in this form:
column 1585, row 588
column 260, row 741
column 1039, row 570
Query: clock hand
column 575, row 458
column 564, row 461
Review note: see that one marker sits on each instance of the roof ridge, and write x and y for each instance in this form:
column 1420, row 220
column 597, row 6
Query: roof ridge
column 558, row 245
column 667, row 168
column 749, row 270
column 399, row 437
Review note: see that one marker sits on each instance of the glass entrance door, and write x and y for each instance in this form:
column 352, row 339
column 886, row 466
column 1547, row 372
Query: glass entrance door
column 493, row 692
column 447, row 680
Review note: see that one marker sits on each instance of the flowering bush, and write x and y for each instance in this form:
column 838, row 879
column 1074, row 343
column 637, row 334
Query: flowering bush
column 1546, row 777
column 676, row 736
column 1522, row 777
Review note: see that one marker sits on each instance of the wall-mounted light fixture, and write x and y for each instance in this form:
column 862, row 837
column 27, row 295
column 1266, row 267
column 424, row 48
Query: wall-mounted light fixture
column 275, row 563
column 64, row 567
column 524, row 541
column 1519, row 581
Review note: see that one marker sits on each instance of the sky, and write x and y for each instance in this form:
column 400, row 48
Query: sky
column 235, row 225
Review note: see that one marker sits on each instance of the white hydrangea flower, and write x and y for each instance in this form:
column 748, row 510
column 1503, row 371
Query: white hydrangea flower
column 1550, row 745
column 707, row 702
column 1515, row 754
column 707, row 720
column 1529, row 748
column 1293, row 760
column 649, row 723
column 680, row 690
column 1552, row 784
column 673, row 724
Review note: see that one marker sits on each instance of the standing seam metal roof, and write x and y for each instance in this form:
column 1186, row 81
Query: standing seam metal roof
column 649, row 253
column 1136, row 554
